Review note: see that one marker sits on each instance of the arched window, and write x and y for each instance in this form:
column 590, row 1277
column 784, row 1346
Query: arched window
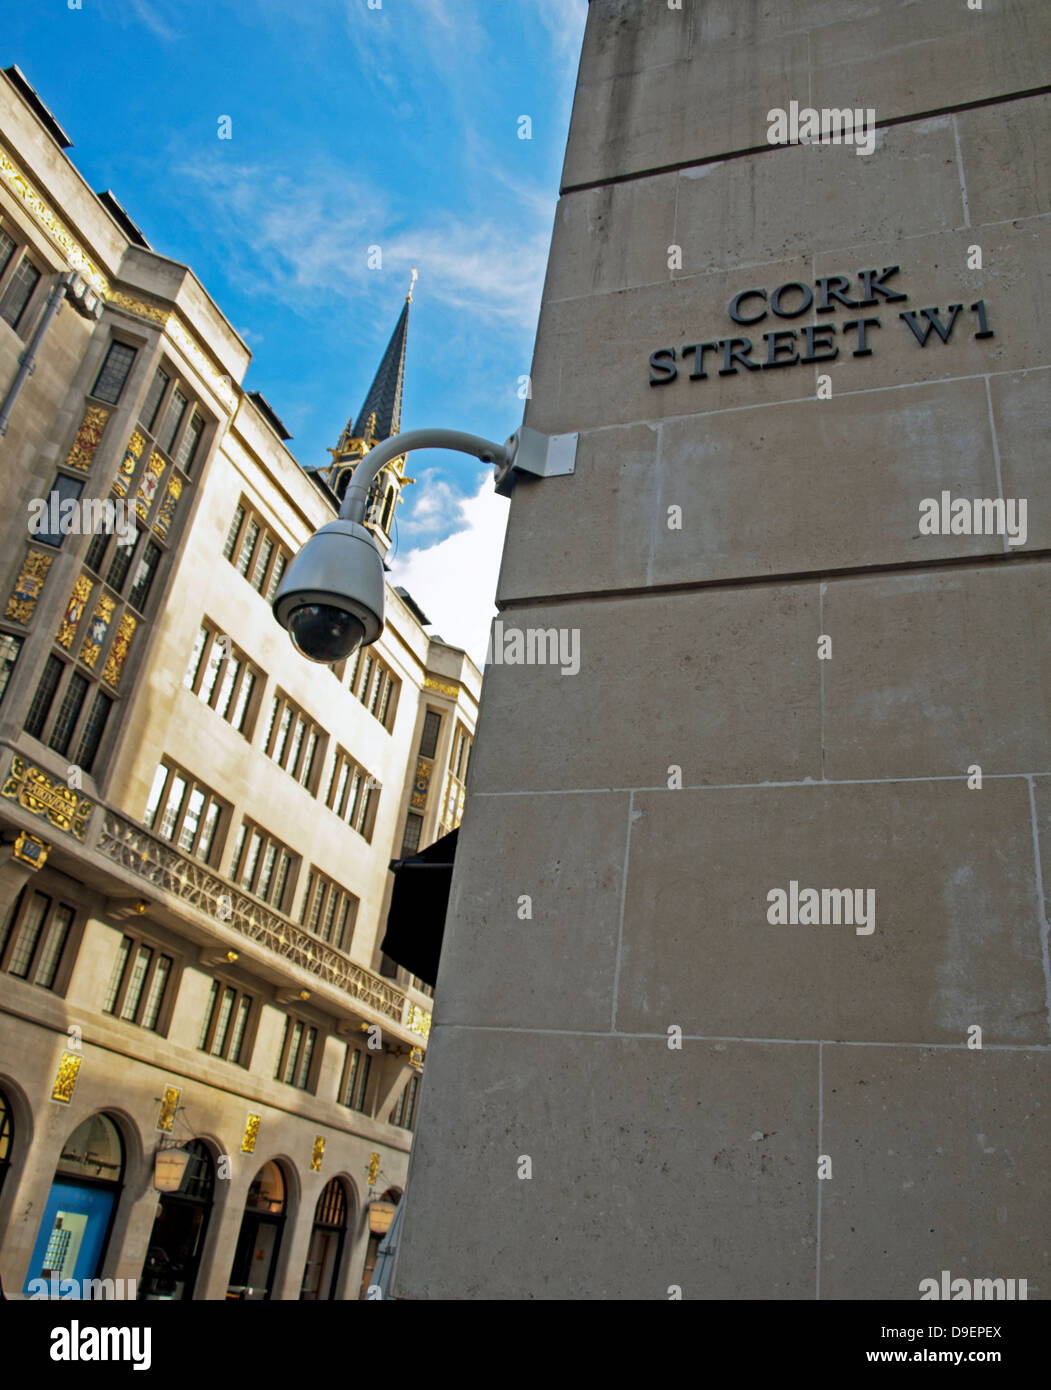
column 179, row 1229
column 255, row 1258
column 71, row 1238
column 325, row 1254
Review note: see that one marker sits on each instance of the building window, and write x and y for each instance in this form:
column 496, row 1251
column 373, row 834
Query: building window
column 328, row 911
column 113, row 375
column 139, row 984
column 37, row 935
column 355, row 1078
column 404, row 1113
column 63, row 489
column 255, row 551
column 151, row 405
column 223, row 678
column 454, row 792
column 353, row 794
column 410, row 841
column 226, row 1020
column 432, row 723
column 186, row 813
column 10, row 648
column 40, row 706
column 295, row 742
column 7, row 250
column 191, row 440
column 68, row 713
column 376, row 687
column 298, row 1048
column 264, row 866
column 173, row 418
column 19, row 292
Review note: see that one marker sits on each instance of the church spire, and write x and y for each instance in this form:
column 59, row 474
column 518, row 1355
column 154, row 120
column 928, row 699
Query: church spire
column 380, row 414
column 379, row 418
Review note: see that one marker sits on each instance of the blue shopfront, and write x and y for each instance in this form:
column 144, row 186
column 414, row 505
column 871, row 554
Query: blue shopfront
column 71, row 1239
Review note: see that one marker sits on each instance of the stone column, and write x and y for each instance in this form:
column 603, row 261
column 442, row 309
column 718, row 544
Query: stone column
column 670, row 1054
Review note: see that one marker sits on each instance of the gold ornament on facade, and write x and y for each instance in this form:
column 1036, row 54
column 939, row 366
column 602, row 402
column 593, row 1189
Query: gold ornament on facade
column 100, row 621
column 418, row 1021
column 66, row 1077
column 35, row 792
column 78, row 601
column 129, row 463
column 168, row 1109
column 28, row 587
column 421, row 784
column 443, row 689
column 30, row 849
column 89, row 434
column 119, row 650
column 318, row 1153
column 373, row 1169
column 55, row 229
column 250, row 1135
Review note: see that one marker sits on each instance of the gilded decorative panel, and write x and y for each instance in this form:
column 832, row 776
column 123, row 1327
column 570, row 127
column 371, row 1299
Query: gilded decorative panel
column 374, row 1169
column 148, row 485
column 421, row 784
column 430, row 684
column 35, row 792
column 96, row 635
column 318, row 1153
column 28, row 587
column 87, row 441
column 250, row 1135
column 78, row 601
column 166, row 511
column 30, row 849
column 31, row 199
column 66, row 1077
column 118, row 652
column 129, row 463
column 418, row 1021
column 168, row 1108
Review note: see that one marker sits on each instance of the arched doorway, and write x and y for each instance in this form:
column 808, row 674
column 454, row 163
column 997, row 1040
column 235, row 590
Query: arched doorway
column 255, row 1258
column 380, row 1214
column 179, row 1228
column 7, row 1137
column 71, row 1239
column 326, row 1243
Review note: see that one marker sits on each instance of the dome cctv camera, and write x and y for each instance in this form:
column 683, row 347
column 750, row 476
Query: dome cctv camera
column 331, row 596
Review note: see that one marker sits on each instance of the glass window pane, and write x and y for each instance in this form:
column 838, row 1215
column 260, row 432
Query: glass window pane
column 237, row 1038
column 153, row 398
column 211, row 671
column 195, row 658
column 211, row 820
column 155, row 998
column 267, row 869
column 63, row 489
column 42, row 698
column 226, row 689
column 429, row 738
column 154, row 799
column 18, row 293
column 191, row 820
column 174, row 806
column 262, row 560
column 114, row 373
column 251, row 535
column 190, row 441
column 133, row 994
column 203, row 1039
column 144, row 576
column 293, row 1052
column 51, row 953
column 29, row 935
column 173, row 419
column 303, row 1072
column 237, row 719
column 116, row 975
column 275, row 575
column 226, row 1008
column 68, row 713
column 10, row 647
column 251, row 858
column 231, row 535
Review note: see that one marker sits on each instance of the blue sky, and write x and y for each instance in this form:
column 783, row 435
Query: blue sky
column 355, row 123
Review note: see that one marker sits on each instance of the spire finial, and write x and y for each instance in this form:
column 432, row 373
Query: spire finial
column 412, row 282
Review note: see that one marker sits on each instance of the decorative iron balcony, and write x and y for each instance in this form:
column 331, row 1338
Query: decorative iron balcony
column 157, row 863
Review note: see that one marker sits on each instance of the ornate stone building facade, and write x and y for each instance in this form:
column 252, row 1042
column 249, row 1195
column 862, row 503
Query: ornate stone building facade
column 196, row 823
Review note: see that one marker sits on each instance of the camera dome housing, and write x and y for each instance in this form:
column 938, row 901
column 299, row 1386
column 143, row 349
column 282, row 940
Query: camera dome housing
column 331, row 597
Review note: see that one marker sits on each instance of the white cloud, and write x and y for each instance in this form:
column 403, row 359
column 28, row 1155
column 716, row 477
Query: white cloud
column 454, row 582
